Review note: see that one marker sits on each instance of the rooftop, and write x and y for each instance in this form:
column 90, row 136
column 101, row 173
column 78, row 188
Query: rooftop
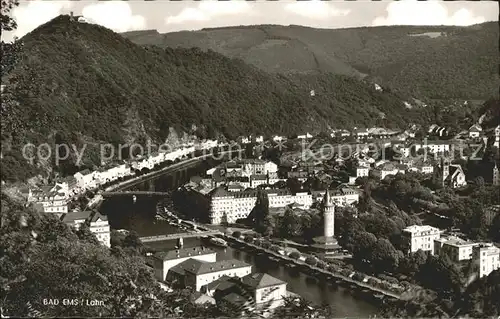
column 235, row 299
column 420, row 228
column 183, row 253
column 454, row 241
column 85, row 172
column 260, row 177
column 199, row 267
column 83, row 215
column 72, row 216
column 222, row 283
column 260, row 280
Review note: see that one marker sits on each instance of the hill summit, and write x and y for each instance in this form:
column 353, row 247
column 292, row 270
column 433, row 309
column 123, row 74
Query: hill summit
column 81, row 82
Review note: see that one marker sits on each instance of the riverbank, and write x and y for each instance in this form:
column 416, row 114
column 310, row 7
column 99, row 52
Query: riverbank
column 397, row 294
column 364, row 282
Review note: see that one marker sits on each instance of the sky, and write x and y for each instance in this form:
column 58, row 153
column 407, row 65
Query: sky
column 170, row 16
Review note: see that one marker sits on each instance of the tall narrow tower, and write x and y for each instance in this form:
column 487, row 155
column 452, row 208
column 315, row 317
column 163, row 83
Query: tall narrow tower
column 329, row 217
column 445, row 169
column 496, row 176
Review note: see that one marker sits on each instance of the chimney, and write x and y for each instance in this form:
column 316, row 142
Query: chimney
column 71, row 14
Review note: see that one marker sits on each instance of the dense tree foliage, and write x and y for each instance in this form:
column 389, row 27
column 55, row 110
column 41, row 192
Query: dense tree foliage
column 43, row 258
column 478, row 300
column 301, row 227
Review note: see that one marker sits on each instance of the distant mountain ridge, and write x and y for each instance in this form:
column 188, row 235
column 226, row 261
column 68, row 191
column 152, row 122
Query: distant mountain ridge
column 82, row 83
column 443, row 62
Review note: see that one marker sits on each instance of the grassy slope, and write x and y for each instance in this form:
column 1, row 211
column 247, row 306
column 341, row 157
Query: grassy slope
column 464, row 64
column 85, row 82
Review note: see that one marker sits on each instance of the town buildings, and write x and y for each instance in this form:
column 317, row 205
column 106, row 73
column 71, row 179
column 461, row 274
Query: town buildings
column 456, row 248
column 452, row 174
column 341, row 196
column 162, row 262
column 475, row 131
column 434, row 146
column 97, row 223
column 305, row 136
column 494, row 135
column 245, row 168
column 362, row 171
column 85, row 179
column 198, row 273
column 496, row 175
column 421, row 237
column 50, row 199
column 488, row 257
column 231, row 206
column 257, row 291
column 265, row 289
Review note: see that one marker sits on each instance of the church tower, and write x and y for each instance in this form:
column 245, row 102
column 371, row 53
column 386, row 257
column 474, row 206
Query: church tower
column 445, row 168
column 496, row 176
column 329, row 216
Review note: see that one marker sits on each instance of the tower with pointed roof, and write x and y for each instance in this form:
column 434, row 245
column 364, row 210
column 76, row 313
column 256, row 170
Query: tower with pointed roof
column 496, row 176
column 327, row 244
column 445, row 169
column 329, row 216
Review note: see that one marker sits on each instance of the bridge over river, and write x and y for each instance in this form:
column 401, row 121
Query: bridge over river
column 178, row 235
column 137, row 193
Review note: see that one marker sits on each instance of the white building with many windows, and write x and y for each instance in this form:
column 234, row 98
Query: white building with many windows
column 266, row 289
column 97, row 223
column 230, row 206
column 436, row 146
column 488, row 257
column 342, row 196
column 362, row 171
column 456, row 248
column 421, row 237
column 50, row 199
column 86, row 179
column 162, row 262
column 197, row 273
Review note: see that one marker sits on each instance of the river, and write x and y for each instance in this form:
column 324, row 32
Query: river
column 139, row 215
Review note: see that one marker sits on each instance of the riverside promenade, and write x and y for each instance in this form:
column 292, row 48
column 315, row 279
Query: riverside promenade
column 317, row 269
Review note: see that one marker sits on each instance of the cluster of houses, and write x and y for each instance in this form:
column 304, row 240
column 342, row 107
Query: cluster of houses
column 229, row 283
column 429, row 239
column 54, row 199
column 231, row 190
column 452, row 174
column 97, row 223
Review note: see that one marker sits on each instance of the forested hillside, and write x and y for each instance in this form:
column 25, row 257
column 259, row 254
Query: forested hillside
column 79, row 82
column 439, row 62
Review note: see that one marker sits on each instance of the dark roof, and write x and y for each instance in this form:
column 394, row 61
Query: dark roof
column 199, row 267
column 97, row 216
column 235, row 299
column 252, row 161
column 72, row 216
column 85, row 172
column 47, row 191
column 183, row 253
column 437, row 142
column 259, row 177
column 236, row 186
column 219, row 192
column 93, row 216
column 222, row 283
column 69, row 179
column 260, row 280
